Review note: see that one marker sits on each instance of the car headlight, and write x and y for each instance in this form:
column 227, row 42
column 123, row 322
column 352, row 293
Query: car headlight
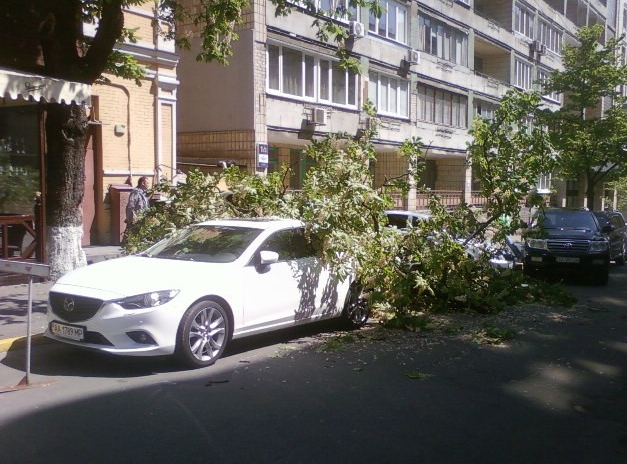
column 599, row 245
column 147, row 300
column 538, row 243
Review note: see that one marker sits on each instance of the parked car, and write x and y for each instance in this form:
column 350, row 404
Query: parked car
column 402, row 219
column 617, row 236
column 190, row 294
column 505, row 255
column 567, row 240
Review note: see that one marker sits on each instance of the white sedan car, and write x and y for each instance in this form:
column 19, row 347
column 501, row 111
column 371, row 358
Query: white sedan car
column 190, row 294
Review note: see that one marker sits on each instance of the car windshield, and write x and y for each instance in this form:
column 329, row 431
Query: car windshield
column 210, row 244
column 603, row 218
column 402, row 221
column 566, row 220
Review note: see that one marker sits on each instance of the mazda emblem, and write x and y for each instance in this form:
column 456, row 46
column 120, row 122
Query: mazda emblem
column 68, row 304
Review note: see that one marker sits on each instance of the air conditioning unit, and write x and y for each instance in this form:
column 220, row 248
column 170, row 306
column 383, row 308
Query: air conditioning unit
column 413, row 56
column 319, row 116
column 357, row 29
column 541, row 48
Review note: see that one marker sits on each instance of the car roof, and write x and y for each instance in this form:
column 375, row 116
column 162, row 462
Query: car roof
column 263, row 223
column 416, row 214
column 563, row 211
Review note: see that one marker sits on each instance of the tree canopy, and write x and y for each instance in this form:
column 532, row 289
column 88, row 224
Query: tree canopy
column 589, row 132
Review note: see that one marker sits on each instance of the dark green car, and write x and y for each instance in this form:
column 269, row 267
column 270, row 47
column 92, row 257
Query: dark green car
column 566, row 241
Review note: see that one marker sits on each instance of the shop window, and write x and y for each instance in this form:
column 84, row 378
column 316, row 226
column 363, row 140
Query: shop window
column 19, row 158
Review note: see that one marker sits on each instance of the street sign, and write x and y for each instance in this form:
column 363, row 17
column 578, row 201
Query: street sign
column 30, row 269
column 262, row 155
column 21, row 267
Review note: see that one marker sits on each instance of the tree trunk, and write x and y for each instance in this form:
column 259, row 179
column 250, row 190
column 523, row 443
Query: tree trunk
column 66, row 136
column 590, row 186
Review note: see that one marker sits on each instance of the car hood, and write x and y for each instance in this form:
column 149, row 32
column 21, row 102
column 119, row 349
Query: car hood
column 580, row 234
column 134, row 275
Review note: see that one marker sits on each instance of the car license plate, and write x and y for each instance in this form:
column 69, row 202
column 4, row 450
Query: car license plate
column 562, row 259
column 73, row 332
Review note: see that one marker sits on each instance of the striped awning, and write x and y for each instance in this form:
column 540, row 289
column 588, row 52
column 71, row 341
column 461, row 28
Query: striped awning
column 33, row 87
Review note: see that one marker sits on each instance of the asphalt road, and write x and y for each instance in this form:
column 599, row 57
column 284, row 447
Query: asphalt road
column 554, row 395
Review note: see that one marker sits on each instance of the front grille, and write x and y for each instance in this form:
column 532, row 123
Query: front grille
column 73, row 308
column 568, row 247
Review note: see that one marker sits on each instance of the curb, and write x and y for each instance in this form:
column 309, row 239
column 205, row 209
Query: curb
column 19, row 343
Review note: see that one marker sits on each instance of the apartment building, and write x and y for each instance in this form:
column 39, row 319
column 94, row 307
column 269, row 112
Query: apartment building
column 428, row 66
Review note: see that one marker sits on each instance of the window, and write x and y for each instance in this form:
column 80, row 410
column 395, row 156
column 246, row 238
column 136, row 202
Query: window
column 389, row 94
column 522, row 73
column 342, row 7
column 523, row 21
column 550, row 37
column 442, row 40
column 292, row 72
column 543, row 185
column 290, row 244
column 393, row 21
column 442, row 107
column 542, row 77
column 484, row 109
column 19, row 159
column 339, row 9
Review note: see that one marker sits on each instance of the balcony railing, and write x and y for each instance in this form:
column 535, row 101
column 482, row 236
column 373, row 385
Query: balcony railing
column 447, row 198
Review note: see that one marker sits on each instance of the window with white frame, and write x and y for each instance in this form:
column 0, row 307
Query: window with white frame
column 551, row 37
column 543, row 76
column 339, row 9
column 299, row 74
column 522, row 75
column 393, row 21
column 440, row 39
column 543, row 185
column 484, row 109
column 442, row 107
column 389, row 94
column 523, row 21
column 342, row 8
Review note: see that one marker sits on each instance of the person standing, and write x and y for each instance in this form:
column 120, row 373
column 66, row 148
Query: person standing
column 137, row 201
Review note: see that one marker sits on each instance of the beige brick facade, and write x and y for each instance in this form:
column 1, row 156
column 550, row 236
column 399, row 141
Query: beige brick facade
column 134, row 126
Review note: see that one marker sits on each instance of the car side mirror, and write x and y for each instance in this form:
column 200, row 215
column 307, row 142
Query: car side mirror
column 606, row 229
column 268, row 257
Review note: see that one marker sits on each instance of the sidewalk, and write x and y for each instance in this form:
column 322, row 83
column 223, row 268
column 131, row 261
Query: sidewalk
column 14, row 301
